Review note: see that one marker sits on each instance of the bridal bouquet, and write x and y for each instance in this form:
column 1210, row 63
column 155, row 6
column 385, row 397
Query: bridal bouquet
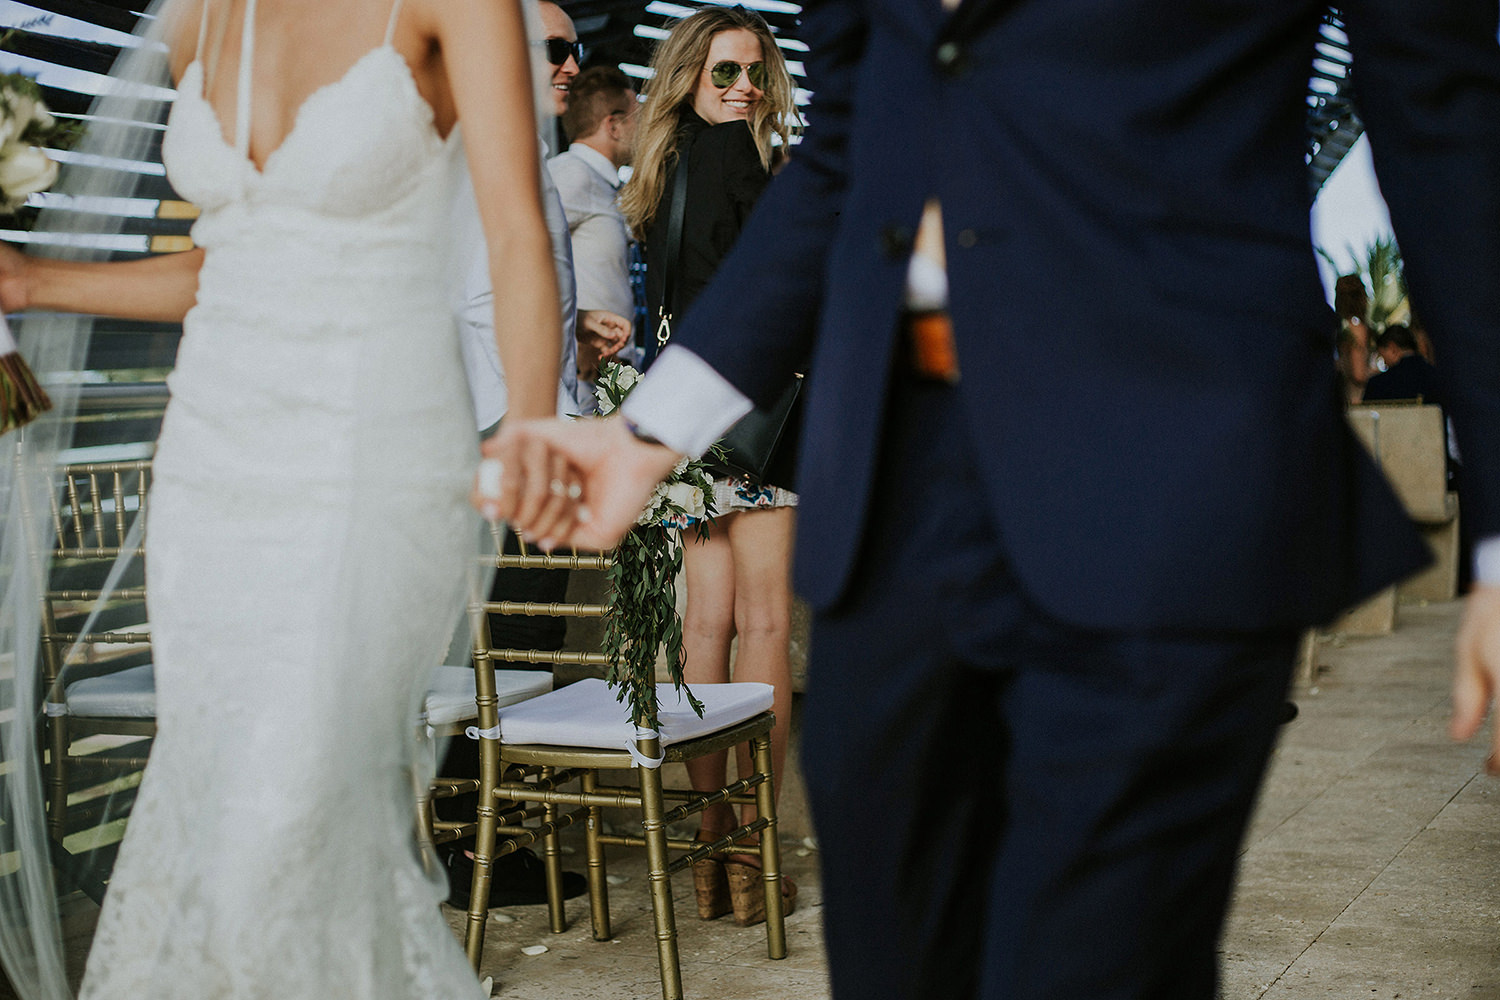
column 642, row 617
column 25, row 124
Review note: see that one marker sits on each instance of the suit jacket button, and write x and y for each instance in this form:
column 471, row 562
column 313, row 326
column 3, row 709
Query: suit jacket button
column 967, row 238
column 950, row 58
column 896, row 241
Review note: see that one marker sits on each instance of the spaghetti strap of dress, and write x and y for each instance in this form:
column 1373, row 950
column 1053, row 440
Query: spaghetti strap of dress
column 202, row 31
column 390, row 28
column 243, row 88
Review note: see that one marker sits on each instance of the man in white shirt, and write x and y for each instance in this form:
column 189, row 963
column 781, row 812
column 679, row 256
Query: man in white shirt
column 600, row 123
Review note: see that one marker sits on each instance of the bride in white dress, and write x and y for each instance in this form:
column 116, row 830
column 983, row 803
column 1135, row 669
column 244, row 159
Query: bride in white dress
column 309, row 531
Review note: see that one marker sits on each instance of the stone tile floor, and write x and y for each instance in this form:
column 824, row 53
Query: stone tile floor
column 719, row 958
column 1371, row 869
column 1372, row 866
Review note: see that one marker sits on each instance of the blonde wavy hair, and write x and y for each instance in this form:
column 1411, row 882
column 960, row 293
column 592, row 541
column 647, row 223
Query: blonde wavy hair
column 678, row 65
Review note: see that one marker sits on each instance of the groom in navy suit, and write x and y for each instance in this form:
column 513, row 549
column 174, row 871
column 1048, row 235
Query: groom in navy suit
column 1059, row 536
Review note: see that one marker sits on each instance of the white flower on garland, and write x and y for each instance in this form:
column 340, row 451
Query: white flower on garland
column 684, row 497
column 642, row 617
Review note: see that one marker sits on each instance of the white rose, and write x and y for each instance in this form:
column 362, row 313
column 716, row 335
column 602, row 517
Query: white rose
column 601, row 398
column 627, row 377
column 24, row 170
column 22, row 110
column 43, row 118
column 688, row 497
column 650, row 514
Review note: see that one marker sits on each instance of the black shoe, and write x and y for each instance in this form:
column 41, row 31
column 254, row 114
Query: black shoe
column 1288, row 712
column 517, row 879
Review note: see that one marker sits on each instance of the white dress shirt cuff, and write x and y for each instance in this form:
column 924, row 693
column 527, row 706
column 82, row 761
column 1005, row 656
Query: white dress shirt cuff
column 684, row 403
column 1487, row 561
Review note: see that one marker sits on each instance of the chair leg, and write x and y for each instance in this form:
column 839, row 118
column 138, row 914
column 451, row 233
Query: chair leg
column 552, row 860
column 598, row 884
column 660, row 880
column 57, row 777
column 770, row 849
column 484, row 851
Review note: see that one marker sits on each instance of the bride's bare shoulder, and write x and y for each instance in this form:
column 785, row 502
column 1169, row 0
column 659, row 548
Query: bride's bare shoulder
column 440, row 17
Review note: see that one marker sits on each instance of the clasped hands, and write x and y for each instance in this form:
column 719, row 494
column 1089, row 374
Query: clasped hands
column 583, row 483
column 578, row 483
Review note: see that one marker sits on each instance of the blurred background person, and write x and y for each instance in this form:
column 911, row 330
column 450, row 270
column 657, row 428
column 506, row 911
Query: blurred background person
column 1352, row 302
column 519, row 878
column 600, row 124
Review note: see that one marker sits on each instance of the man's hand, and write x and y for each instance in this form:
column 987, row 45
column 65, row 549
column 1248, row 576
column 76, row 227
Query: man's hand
column 1476, row 680
column 581, row 483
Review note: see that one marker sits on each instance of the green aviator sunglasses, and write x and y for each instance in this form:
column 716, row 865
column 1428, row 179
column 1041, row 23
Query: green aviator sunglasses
column 724, row 74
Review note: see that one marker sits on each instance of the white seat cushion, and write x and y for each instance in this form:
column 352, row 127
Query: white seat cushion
column 124, row 694
column 586, row 714
column 450, row 693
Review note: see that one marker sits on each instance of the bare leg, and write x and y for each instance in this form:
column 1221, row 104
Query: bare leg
column 707, row 630
column 761, row 543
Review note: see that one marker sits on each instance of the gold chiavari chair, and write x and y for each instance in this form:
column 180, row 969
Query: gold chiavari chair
column 449, row 710
column 100, row 704
column 531, row 752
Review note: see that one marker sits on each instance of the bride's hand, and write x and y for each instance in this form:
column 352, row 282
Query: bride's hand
column 533, row 489
column 614, row 473
column 13, row 279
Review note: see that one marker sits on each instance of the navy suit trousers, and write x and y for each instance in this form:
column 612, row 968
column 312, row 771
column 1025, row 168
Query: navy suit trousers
column 1011, row 807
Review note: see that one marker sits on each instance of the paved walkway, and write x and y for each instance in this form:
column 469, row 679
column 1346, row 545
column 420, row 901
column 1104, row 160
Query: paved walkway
column 1371, row 871
column 1372, row 868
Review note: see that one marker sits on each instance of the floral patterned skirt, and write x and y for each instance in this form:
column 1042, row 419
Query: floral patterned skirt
column 744, row 493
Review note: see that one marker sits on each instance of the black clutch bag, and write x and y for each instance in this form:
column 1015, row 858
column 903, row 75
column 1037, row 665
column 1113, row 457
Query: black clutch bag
column 763, row 445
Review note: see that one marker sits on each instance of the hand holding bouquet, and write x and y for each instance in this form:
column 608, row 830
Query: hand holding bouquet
column 25, row 125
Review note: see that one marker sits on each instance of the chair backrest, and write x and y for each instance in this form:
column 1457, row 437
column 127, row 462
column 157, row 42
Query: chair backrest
column 93, row 512
column 529, row 558
column 1409, row 443
column 95, row 507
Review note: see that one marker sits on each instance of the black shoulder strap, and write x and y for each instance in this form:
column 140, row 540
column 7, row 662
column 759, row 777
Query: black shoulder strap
column 676, row 209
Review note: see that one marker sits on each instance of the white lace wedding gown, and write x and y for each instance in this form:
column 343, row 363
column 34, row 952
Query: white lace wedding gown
column 307, row 547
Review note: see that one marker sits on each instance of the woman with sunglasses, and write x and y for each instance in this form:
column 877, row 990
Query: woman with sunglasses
column 719, row 93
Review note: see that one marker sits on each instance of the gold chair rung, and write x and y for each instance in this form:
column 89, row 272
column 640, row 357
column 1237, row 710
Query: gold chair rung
column 534, row 609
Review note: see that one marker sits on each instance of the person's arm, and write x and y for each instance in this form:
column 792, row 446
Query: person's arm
column 1429, row 82
column 160, row 288
column 486, row 56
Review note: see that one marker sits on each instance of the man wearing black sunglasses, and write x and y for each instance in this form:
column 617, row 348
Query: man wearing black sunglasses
column 563, row 51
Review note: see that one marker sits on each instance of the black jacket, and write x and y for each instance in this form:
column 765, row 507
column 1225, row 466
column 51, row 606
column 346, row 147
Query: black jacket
column 725, row 177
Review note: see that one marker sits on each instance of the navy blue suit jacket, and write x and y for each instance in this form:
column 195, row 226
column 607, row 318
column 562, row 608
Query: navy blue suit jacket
column 1142, row 332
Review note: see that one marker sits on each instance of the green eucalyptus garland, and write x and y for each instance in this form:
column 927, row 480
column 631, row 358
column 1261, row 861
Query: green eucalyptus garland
column 642, row 618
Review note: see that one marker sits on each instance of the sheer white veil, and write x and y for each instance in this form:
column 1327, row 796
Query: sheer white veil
column 117, row 155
